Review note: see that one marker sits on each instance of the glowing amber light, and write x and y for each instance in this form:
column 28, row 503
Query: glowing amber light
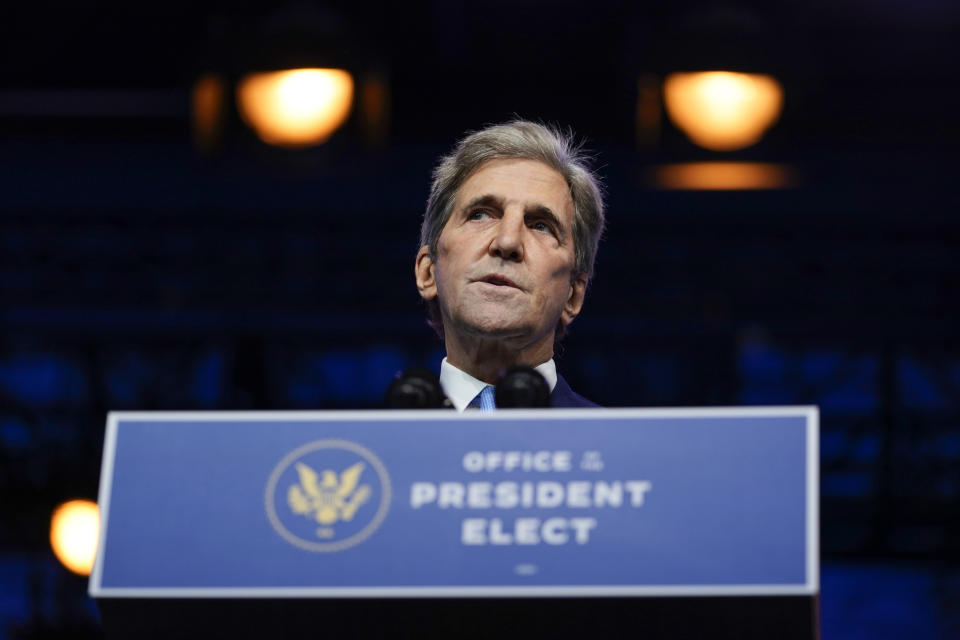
column 295, row 108
column 74, row 529
column 721, row 110
column 207, row 102
column 723, row 176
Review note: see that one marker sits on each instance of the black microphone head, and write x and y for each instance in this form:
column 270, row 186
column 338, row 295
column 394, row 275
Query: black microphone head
column 522, row 387
column 415, row 389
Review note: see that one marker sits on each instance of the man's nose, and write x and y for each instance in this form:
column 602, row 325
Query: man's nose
column 507, row 242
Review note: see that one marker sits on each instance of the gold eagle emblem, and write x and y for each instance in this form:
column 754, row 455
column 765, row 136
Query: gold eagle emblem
column 327, row 497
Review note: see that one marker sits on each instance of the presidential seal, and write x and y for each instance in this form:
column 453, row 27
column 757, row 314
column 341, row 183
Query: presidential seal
column 328, row 495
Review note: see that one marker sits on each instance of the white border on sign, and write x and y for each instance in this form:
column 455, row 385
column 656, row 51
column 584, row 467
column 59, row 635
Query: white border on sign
column 811, row 413
column 103, row 499
column 813, row 498
column 460, row 592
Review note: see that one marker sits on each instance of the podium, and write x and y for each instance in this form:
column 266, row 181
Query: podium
column 658, row 523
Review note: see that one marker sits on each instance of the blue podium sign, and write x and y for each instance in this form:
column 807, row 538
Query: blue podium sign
column 599, row 502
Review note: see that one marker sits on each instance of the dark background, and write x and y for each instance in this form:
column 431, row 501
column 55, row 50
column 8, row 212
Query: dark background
column 137, row 272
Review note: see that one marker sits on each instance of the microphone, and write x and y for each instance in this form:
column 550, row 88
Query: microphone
column 522, row 387
column 416, row 389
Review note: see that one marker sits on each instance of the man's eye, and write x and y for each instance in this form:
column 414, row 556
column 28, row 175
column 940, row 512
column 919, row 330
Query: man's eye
column 477, row 214
column 541, row 226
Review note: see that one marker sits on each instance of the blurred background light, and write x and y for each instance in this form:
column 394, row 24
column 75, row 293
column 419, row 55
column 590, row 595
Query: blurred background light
column 74, row 530
column 374, row 105
column 649, row 111
column 722, row 110
column 208, row 101
column 723, row 176
column 297, row 107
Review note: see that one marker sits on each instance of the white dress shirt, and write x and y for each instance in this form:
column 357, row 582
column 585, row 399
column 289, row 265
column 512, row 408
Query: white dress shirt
column 462, row 388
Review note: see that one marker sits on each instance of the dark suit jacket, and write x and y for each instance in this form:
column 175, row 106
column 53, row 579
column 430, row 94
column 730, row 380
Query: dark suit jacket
column 565, row 397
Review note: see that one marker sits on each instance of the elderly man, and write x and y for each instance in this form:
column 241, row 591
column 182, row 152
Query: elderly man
column 507, row 248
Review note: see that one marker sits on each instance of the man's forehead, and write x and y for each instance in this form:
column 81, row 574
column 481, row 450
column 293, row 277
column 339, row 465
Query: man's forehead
column 530, row 181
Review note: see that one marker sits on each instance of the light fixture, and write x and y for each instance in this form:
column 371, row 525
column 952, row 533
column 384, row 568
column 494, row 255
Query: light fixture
column 296, row 107
column 74, row 530
column 723, row 176
column 723, row 110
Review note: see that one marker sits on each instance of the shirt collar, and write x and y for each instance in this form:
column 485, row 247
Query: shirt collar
column 461, row 387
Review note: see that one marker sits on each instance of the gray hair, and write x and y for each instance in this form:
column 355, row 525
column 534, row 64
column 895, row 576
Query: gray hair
column 518, row 139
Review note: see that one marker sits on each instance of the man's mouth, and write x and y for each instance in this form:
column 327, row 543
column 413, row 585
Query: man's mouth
column 499, row 280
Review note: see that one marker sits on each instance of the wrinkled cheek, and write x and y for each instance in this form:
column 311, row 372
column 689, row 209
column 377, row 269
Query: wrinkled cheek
column 562, row 292
column 446, row 294
column 439, row 274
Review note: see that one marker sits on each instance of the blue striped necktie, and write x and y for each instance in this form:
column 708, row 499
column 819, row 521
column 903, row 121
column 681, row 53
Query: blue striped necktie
column 484, row 400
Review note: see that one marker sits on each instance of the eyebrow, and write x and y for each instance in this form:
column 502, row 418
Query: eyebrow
column 486, row 200
column 537, row 210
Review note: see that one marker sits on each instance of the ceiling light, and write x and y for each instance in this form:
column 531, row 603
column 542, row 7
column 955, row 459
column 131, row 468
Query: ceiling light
column 723, row 110
column 296, row 107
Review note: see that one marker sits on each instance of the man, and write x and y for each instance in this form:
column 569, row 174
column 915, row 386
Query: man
column 507, row 248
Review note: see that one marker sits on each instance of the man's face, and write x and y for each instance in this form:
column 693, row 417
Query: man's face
column 505, row 258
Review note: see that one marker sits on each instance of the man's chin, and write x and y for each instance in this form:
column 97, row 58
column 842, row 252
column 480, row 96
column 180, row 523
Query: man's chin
column 495, row 328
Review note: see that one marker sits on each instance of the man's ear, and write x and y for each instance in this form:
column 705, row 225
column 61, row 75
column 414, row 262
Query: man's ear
column 423, row 270
column 571, row 308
